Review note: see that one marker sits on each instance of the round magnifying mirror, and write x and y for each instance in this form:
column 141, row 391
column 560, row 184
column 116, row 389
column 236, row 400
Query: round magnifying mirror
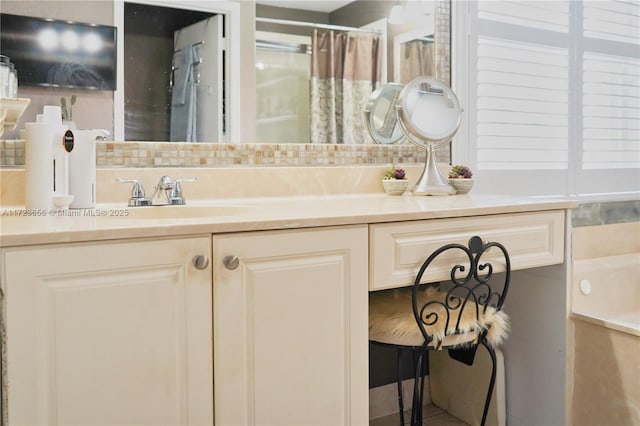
column 429, row 114
column 380, row 116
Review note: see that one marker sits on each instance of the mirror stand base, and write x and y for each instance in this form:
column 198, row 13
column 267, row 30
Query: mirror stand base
column 431, row 181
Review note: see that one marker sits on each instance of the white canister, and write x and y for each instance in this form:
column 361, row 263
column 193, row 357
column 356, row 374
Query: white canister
column 82, row 168
column 52, row 114
column 39, row 166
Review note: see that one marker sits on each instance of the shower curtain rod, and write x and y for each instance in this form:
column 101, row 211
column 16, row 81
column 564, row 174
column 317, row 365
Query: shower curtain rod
column 283, row 47
column 314, row 25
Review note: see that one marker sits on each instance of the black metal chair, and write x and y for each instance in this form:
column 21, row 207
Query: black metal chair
column 458, row 315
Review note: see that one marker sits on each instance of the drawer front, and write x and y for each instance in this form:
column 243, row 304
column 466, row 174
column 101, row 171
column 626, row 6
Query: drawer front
column 397, row 250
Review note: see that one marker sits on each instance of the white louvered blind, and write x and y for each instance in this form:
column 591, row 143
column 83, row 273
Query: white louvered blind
column 610, row 112
column 522, row 105
column 545, row 15
column 554, row 95
column 612, row 20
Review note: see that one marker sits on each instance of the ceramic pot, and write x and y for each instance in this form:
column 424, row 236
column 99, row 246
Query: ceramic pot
column 395, row 186
column 462, row 185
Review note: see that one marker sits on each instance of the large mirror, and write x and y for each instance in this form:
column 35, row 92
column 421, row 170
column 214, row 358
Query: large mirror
column 241, row 107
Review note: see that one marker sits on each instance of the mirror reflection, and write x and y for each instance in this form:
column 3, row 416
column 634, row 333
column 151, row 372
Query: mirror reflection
column 176, row 56
column 413, row 55
column 144, row 112
column 380, row 116
column 316, row 63
column 348, row 52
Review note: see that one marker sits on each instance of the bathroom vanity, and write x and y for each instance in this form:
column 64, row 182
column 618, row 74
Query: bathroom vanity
column 235, row 311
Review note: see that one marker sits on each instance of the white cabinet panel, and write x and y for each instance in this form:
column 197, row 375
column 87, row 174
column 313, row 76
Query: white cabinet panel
column 116, row 333
column 291, row 328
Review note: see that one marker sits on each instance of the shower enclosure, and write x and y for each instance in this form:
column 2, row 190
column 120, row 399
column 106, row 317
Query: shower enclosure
column 283, row 65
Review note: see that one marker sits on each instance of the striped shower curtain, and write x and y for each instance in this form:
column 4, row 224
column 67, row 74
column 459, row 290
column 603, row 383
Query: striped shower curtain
column 416, row 59
column 345, row 70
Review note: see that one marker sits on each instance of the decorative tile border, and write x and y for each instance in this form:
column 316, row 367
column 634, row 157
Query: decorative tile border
column 175, row 154
column 592, row 214
column 12, row 153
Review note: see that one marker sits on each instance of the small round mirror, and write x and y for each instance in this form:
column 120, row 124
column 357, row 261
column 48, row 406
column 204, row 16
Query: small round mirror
column 429, row 111
column 429, row 114
column 380, row 116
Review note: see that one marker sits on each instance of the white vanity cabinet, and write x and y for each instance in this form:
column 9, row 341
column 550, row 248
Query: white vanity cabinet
column 291, row 327
column 272, row 331
column 112, row 333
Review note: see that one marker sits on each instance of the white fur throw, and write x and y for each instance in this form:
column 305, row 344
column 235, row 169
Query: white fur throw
column 391, row 320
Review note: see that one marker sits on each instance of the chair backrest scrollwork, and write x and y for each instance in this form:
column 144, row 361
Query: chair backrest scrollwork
column 471, row 299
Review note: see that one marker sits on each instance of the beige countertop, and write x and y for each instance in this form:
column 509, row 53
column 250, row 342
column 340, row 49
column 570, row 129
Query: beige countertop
column 116, row 221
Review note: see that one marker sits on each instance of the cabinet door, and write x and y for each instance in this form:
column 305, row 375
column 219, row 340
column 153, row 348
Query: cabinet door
column 115, row 333
column 290, row 328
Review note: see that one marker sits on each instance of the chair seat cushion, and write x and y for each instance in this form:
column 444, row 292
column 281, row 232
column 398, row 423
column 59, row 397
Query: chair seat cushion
column 391, row 320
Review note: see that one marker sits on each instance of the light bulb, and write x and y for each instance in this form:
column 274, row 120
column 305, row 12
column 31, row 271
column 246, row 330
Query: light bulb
column 70, row 40
column 91, row 42
column 48, row 39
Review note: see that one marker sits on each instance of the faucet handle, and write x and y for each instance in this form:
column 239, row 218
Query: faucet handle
column 138, row 197
column 165, row 182
column 191, row 179
column 176, row 196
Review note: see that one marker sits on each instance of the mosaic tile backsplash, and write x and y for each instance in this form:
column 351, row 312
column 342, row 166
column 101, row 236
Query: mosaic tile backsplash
column 174, row 154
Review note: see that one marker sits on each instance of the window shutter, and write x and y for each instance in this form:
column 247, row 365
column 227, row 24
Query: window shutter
column 545, row 15
column 522, row 105
column 612, row 20
column 610, row 112
column 554, row 96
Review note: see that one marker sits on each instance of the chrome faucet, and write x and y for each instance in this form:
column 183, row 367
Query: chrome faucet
column 168, row 192
column 138, row 197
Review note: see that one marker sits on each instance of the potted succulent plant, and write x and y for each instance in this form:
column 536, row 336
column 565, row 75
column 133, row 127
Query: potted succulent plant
column 394, row 181
column 460, row 177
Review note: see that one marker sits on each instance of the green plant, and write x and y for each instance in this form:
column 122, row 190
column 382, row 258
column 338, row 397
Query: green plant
column 460, row 171
column 392, row 173
column 67, row 113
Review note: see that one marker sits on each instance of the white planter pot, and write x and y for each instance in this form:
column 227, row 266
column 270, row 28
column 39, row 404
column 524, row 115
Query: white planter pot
column 395, row 186
column 462, row 185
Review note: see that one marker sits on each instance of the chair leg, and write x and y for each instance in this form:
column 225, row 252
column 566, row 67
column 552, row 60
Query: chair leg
column 492, row 381
column 418, row 387
column 399, row 379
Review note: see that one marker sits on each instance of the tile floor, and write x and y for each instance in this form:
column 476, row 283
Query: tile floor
column 434, row 416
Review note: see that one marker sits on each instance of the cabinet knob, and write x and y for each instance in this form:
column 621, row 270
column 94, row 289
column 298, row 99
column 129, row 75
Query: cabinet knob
column 201, row 262
column 231, row 262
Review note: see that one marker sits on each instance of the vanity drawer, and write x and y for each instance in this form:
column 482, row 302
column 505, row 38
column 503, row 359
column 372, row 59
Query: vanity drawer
column 398, row 249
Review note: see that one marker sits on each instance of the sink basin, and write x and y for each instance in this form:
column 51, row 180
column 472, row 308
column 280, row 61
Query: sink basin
column 186, row 212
